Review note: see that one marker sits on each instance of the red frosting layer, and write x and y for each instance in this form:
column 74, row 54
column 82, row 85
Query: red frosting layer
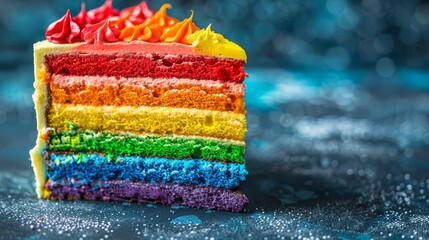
column 149, row 65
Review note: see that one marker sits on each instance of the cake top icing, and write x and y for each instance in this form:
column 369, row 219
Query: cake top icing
column 106, row 25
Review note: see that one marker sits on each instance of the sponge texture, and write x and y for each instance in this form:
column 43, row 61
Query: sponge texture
column 150, row 65
column 151, row 120
column 181, row 93
column 92, row 167
column 149, row 145
column 170, row 194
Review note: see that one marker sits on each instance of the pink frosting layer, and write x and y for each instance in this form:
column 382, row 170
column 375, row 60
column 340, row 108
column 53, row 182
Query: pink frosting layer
column 136, row 47
column 64, row 81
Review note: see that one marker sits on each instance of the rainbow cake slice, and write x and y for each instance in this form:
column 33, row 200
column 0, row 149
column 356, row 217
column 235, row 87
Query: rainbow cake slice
column 135, row 105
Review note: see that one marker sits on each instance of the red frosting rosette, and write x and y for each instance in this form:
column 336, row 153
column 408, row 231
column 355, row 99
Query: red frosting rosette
column 82, row 19
column 137, row 14
column 133, row 16
column 103, row 13
column 64, row 30
column 100, row 33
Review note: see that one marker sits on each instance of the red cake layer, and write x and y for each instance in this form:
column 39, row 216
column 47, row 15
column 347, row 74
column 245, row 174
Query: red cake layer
column 149, row 65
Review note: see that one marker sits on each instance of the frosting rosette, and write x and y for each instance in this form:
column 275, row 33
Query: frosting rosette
column 132, row 16
column 152, row 29
column 120, row 21
column 180, row 31
column 103, row 12
column 64, row 30
column 137, row 14
column 82, row 19
column 216, row 44
column 160, row 19
column 100, row 33
column 106, row 24
column 142, row 33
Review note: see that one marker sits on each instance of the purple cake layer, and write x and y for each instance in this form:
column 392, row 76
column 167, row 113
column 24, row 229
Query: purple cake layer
column 169, row 194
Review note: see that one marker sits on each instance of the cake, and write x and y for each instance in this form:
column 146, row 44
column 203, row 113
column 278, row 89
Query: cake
column 135, row 105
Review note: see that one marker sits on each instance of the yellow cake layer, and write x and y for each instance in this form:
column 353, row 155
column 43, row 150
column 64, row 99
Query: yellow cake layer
column 152, row 120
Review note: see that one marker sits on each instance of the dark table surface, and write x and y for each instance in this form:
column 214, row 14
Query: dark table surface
column 330, row 154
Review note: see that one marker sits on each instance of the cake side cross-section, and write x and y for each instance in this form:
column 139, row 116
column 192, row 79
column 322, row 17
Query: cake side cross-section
column 146, row 111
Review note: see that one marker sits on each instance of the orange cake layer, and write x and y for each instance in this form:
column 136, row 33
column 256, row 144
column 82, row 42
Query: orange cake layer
column 181, row 93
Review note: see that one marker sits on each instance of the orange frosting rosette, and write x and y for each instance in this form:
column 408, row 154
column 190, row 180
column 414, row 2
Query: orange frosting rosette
column 142, row 33
column 161, row 18
column 180, row 31
column 152, row 29
column 120, row 21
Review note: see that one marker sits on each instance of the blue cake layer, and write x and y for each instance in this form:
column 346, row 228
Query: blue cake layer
column 91, row 167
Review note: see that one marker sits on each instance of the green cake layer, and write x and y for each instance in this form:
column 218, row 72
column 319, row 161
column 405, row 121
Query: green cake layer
column 148, row 145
